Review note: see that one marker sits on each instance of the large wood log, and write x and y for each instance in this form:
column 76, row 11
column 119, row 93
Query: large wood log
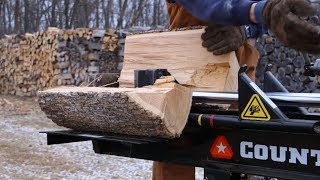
column 149, row 111
column 182, row 54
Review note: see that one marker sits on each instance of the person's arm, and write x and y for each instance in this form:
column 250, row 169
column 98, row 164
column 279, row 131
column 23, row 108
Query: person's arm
column 225, row 12
column 282, row 17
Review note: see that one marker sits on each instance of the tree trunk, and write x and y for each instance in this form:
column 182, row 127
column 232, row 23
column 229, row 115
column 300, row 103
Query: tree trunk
column 26, row 16
column 137, row 14
column 61, row 21
column 3, row 19
column 9, row 17
column 122, row 7
column 155, row 13
column 85, row 18
column 17, row 16
column 66, row 13
column 109, row 14
column 97, row 13
column 53, row 22
column 74, row 18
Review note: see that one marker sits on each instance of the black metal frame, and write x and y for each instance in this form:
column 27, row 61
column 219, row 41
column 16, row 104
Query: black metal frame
column 193, row 147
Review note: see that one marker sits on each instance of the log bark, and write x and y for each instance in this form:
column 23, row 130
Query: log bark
column 149, row 111
column 182, row 54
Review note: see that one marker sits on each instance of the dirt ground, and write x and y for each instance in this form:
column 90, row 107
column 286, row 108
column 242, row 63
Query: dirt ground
column 25, row 155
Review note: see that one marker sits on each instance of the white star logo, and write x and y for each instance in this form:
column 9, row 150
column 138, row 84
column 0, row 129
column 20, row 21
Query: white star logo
column 221, row 148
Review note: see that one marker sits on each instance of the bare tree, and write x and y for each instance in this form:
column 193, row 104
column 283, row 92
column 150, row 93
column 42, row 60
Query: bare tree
column 53, row 21
column 97, row 17
column 3, row 19
column 123, row 4
column 136, row 12
column 19, row 16
column 66, row 13
column 9, row 15
column 26, row 16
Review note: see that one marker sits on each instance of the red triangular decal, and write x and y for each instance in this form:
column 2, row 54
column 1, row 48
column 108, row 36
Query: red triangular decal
column 221, row 148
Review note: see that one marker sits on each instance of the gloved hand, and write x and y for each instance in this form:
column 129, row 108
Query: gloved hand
column 222, row 39
column 284, row 19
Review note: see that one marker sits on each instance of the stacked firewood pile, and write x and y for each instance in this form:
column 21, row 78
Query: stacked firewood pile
column 288, row 64
column 55, row 57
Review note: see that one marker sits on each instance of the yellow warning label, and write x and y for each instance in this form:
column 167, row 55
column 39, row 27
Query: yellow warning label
column 255, row 110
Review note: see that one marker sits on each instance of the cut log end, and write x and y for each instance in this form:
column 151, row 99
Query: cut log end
column 150, row 111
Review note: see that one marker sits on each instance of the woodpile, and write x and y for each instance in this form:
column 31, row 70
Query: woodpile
column 288, row 66
column 56, row 57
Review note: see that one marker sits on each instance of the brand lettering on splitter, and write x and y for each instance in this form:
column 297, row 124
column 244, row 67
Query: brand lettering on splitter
column 282, row 154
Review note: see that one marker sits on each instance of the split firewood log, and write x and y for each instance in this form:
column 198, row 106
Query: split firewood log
column 149, row 111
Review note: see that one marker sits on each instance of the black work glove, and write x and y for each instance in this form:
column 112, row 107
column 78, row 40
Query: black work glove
column 222, row 39
column 284, row 19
